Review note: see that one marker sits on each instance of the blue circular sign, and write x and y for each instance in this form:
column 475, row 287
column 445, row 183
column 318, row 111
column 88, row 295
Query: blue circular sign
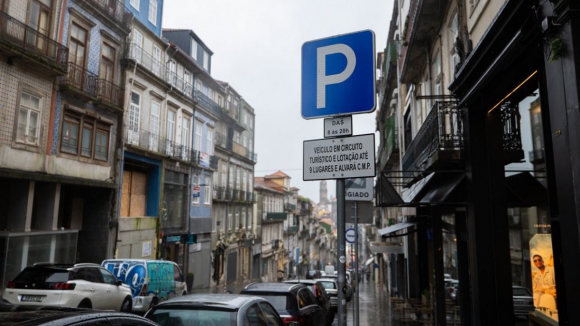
column 350, row 235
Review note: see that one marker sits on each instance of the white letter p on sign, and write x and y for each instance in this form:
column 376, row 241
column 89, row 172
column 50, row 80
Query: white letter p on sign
column 322, row 79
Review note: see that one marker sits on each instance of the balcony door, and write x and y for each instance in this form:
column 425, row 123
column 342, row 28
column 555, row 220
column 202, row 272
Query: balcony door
column 39, row 22
column 154, row 126
column 134, row 113
column 77, row 55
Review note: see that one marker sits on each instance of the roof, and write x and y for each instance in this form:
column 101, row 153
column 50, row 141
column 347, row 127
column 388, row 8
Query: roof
column 261, row 183
column 278, row 174
column 222, row 300
column 272, row 287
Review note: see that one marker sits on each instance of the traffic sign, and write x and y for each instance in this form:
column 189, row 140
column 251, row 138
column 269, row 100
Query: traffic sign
column 359, row 189
column 338, row 75
column 339, row 158
column 338, row 127
column 349, row 235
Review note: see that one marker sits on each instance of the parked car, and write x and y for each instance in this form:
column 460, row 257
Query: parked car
column 215, row 310
column 322, row 297
column 331, row 287
column 65, row 285
column 293, row 302
column 451, row 287
column 49, row 315
column 349, row 290
column 151, row 281
column 313, row 273
column 523, row 300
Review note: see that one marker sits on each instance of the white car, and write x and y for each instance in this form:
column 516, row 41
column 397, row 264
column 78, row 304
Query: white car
column 80, row 285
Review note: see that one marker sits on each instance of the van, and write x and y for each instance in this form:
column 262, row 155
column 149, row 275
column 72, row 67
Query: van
column 329, row 269
column 151, row 281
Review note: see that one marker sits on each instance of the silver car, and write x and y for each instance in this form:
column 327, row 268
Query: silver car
column 523, row 300
column 215, row 309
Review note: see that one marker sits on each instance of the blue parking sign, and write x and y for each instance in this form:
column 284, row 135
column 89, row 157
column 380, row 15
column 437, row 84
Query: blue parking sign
column 338, row 75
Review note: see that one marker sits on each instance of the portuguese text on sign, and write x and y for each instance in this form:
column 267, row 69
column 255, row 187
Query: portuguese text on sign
column 340, row 158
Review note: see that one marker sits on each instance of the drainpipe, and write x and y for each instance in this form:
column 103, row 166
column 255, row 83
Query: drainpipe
column 121, row 130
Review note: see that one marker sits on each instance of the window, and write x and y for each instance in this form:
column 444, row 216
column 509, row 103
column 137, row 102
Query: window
column 207, row 192
column 195, row 181
column 205, row 60
column 135, row 4
column 170, row 125
column 28, row 119
column 172, row 72
column 185, row 131
column 154, row 126
column 156, row 60
column 137, row 45
column 153, row 12
column 38, row 20
column 77, row 45
column 230, row 221
column 107, row 65
column 224, row 175
column 194, row 49
column 134, row 111
column 197, row 137
column 88, row 133
column 186, row 81
column 209, row 144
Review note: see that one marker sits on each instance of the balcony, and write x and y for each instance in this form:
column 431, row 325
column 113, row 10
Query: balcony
column 147, row 141
column 276, row 216
column 438, row 143
column 88, row 87
column 111, row 11
column 147, row 61
column 303, row 233
column 289, row 207
column 421, row 26
column 19, row 42
column 292, row 229
column 206, row 102
column 219, row 193
column 178, row 83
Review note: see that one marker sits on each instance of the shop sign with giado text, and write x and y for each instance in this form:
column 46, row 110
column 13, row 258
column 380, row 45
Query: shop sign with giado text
column 339, row 158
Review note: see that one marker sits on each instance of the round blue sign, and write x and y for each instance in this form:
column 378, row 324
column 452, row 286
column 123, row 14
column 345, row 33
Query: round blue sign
column 350, row 235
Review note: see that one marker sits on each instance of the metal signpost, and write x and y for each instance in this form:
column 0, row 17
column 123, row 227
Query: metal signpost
column 338, row 79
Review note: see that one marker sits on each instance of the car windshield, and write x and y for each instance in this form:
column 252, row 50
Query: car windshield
column 193, row 317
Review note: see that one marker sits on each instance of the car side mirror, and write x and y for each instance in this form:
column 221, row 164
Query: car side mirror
column 119, row 282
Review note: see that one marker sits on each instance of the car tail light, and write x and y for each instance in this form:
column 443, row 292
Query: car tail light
column 451, row 290
column 11, row 284
column 298, row 319
column 143, row 291
column 64, row 286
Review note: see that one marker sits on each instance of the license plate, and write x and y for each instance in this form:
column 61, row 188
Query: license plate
column 31, row 298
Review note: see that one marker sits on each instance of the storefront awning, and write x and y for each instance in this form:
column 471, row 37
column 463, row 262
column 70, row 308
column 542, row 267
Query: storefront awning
column 523, row 190
column 386, row 195
column 386, row 247
column 395, row 228
column 435, row 189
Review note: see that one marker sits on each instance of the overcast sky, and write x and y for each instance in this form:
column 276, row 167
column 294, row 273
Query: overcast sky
column 256, row 47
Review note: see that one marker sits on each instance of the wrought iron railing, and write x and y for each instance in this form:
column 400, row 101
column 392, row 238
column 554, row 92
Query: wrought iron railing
column 80, row 78
column 105, row 90
column 149, row 141
column 31, row 40
column 219, row 192
column 146, row 60
column 206, row 102
column 116, row 10
column 250, row 197
column 510, row 116
column 441, row 131
column 223, row 141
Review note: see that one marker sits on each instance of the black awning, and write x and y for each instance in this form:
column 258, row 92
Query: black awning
column 523, row 190
column 386, row 195
column 436, row 189
column 395, row 228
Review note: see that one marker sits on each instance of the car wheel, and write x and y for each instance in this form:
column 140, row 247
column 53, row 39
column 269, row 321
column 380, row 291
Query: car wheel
column 127, row 305
column 85, row 304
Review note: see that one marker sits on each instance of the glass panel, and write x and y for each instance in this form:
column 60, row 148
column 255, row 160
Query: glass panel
column 70, row 136
column 22, row 121
column 86, row 141
column 32, row 127
column 101, row 145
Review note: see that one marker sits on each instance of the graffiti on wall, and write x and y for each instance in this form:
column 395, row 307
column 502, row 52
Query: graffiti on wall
column 145, row 277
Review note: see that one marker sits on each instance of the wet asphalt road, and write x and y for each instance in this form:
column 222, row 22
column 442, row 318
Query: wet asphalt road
column 374, row 306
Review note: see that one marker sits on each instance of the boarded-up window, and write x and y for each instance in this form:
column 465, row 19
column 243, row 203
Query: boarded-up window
column 134, row 201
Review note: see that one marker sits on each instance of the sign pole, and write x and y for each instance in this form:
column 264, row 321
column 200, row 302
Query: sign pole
column 340, row 253
column 357, row 302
